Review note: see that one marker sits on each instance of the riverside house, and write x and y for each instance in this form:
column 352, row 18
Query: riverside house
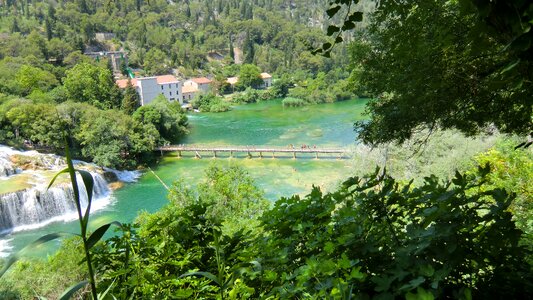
column 193, row 86
column 150, row 87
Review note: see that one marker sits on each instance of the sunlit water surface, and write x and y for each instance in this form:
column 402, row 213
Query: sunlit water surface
column 266, row 123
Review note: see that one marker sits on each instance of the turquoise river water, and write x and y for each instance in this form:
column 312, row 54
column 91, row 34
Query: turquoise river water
column 266, row 123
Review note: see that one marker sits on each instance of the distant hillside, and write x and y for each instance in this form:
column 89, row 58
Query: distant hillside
column 163, row 35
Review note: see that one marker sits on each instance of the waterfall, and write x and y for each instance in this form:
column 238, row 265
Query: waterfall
column 36, row 206
column 32, row 205
column 6, row 166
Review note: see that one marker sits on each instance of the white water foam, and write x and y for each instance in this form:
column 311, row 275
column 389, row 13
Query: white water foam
column 5, row 247
column 71, row 216
column 125, row 176
column 38, row 206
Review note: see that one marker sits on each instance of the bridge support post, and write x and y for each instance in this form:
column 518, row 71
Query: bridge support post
column 249, row 154
column 231, row 154
column 179, row 154
column 273, row 155
column 260, row 154
column 316, row 155
column 214, row 154
column 197, row 155
column 293, row 154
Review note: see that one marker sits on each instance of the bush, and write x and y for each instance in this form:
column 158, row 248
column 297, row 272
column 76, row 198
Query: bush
column 293, row 102
column 209, row 103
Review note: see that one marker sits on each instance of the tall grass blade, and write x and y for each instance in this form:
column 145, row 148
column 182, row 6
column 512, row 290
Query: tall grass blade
column 88, row 181
column 104, row 294
column 65, row 170
column 72, row 290
column 207, row 275
column 98, row 233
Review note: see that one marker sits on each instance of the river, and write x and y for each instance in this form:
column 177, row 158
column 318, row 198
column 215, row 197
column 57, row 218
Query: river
column 265, row 123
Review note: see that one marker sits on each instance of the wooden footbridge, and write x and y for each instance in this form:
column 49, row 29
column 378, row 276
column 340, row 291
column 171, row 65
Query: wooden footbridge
column 250, row 151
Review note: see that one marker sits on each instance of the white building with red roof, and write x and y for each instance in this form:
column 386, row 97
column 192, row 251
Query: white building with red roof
column 267, row 80
column 150, row 87
column 201, row 83
column 193, row 86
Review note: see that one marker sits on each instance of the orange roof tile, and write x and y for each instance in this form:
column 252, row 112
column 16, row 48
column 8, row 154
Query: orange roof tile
column 188, row 89
column 123, row 83
column 201, row 80
column 265, row 75
column 166, row 79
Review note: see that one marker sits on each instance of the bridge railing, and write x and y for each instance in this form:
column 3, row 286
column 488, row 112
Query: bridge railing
column 249, row 148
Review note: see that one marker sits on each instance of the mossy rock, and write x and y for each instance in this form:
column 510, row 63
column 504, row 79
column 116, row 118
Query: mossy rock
column 110, row 176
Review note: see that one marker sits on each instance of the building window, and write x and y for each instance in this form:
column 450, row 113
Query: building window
column 176, row 85
column 162, row 87
column 172, row 99
column 170, row 93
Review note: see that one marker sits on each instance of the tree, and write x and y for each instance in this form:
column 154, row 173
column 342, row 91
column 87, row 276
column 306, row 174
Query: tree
column 37, row 42
column 203, row 229
column 209, row 103
column 231, row 51
column 15, row 26
column 29, row 79
column 58, row 49
column 249, row 76
column 131, row 100
column 446, row 64
column 280, row 87
column 248, row 48
column 168, row 118
column 156, row 62
column 86, row 82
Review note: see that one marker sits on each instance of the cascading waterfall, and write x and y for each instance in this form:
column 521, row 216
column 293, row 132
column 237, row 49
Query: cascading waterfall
column 32, row 207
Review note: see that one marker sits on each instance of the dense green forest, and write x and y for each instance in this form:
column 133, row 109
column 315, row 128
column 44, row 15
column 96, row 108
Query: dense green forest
column 431, row 65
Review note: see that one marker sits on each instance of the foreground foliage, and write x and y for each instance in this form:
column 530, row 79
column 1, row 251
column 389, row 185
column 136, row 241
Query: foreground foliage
column 446, row 64
column 373, row 238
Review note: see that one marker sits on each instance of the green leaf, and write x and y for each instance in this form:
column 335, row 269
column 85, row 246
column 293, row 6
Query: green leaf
column 65, row 170
column 510, row 66
column 73, row 289
column 88, row 181
column 332, row 29
column 98, row 233
column 338, row 39
column 326, row 46
column 413, row 283
column 348, row 25
column 104, row 294
column 421, row 294
column 357, row 274
column 333, row 11
column 207, row 275
column 356, row 16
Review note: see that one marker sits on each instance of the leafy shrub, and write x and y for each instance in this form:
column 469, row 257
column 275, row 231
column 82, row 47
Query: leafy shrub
column 293, row 102
column 373, row 238
column 201, row 234
column 376, row 238
column 209, row 103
